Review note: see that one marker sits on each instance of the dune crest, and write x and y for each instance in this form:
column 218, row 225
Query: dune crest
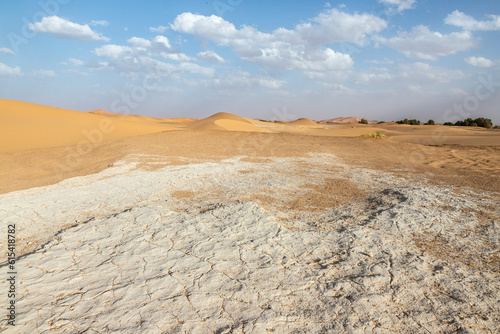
column 304, row 122
column 102, row 112
column 223, row 121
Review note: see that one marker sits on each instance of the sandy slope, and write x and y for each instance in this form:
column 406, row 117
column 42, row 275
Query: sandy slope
column 472, row 165
column 304, row 122
column 226, row 122
column 27, row 126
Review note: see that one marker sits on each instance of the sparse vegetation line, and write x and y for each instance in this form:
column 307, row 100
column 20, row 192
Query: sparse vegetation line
column 378, row 134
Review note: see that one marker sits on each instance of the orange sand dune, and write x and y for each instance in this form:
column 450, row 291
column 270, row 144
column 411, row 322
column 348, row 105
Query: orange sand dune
column 33, row 126
column 304, row 122
column 223, row 121
column 28, row 126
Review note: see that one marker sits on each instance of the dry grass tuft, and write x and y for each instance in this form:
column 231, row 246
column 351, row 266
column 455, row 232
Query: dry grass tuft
column 377, row 134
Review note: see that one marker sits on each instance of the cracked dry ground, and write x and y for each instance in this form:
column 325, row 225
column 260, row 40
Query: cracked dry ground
column 256, row 256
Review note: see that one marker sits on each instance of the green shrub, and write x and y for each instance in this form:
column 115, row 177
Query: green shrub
column 381, row 122
column 409, row 121
column 448, row 123
column 363, row 121
column 481, row 122
column 430, row 122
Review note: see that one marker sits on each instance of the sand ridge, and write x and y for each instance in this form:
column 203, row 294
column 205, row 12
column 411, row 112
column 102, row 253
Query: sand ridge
column 103, row 112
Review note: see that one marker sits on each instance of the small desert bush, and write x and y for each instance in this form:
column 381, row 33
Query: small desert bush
column 363, row 121
column 480, row 121
column 377, row 134
column 409, row 121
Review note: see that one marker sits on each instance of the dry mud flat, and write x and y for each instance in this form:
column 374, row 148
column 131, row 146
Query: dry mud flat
column 283, row 245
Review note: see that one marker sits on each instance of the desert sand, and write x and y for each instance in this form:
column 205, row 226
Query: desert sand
column 228, row 224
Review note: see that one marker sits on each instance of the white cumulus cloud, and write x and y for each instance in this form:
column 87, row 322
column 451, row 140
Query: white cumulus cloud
column 139, row 57
column 469, row 23
column 479, row 62
column 242, row 79
column 113, row 51
column 158, row 46
column 335, row 26
column 65, row 29
column 159, row 29
column 301, row 58
column 328, row 27
column 9, row 71
column 7, row 51
column 423, row 43
column 302, row 48
column 210, row 56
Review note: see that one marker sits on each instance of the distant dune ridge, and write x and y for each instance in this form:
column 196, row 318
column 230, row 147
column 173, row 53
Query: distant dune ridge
column 350, row 119
column 34, row 126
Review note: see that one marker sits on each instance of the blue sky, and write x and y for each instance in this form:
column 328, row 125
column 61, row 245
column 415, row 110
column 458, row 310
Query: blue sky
column 378, row 59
